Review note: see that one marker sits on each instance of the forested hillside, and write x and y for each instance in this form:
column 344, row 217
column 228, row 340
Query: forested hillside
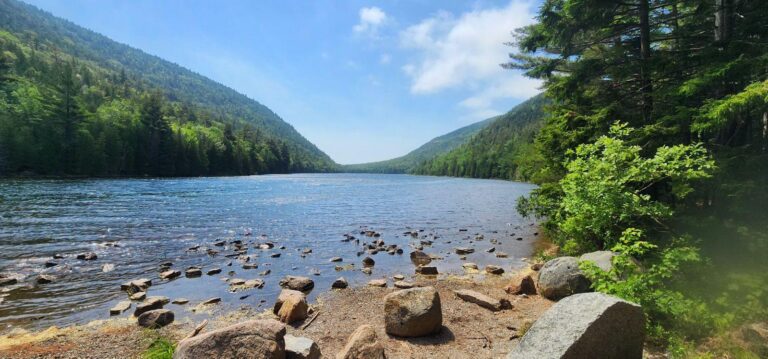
column 503, row 149
column 656, row 147
column 73, row 102
column 436, row 146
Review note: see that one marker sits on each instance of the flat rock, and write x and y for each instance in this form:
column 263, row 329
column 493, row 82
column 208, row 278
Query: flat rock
column 501, row 255
column 426, row 270
column 138, row 296
column 193, row 272
column 482, row 300
column 470, row 268
column 301, row 348
column 215, row 300
column 250, row 339
column 366, row 270
column 464, row 250
column 120, row 307
column 362, row 344
column 303, row 284
column 170, row 274
column 340, row 283
column 398, row 277
column 155, row 319
column 180, row 301
column 150, row 303
column 413, row 312
column 213, row 271
column 561, row 277
column 336, row 259
column 245, row 285
column 378, row 283
column 492, row 269
column 403, row 284
column 589, row 325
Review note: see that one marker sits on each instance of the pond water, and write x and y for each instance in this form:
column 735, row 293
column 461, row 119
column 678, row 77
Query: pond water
column 133, row 225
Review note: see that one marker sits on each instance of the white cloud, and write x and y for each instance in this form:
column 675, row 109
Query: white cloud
column 371, row 18
column 465, row 51
column 385, row 59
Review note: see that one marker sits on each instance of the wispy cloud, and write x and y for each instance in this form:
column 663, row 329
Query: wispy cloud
column 371, row 19
column 465, row 51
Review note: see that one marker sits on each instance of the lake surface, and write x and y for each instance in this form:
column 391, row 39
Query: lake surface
column 133, row 225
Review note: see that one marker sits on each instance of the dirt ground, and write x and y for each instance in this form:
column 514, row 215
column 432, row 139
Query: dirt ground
column 469, row 331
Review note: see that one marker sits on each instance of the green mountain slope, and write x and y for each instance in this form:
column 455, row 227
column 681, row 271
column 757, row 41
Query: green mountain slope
column 434, row 147
column 38, row 48
column 503, row 149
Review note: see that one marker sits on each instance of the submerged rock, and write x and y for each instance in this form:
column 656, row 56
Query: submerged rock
column 120, row 307
column 251, row 339
column 45, row 279
column 413, row 312
column 89, row 256
column 420, row 258
column 589, row 325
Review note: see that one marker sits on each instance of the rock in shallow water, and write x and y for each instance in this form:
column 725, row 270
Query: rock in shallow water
column 120, row 307
column 425, row 270
column 413, row 312
column 297, row 283
column 589, row 325
column 340, row 283
column 251, row 339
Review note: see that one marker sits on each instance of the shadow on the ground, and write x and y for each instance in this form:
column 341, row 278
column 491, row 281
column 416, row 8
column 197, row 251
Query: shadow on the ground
column 444, row 337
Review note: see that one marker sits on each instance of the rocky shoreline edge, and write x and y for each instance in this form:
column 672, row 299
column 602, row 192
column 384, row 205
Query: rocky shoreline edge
column 490, row 315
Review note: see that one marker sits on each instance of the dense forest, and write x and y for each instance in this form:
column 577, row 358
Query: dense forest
column 73, row 102
column 655, row 146
column 435, row 147
column 503, row 149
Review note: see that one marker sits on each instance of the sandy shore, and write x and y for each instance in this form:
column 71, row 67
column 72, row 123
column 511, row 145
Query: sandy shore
column 469, row 331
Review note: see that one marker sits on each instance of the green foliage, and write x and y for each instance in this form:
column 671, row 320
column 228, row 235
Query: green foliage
column 161, row 348
column 76, row 103
column 609, row 185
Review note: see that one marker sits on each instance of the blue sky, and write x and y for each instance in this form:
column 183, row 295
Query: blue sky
column 363, row 80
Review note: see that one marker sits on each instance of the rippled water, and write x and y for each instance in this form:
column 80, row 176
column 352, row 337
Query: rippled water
column 135, row 224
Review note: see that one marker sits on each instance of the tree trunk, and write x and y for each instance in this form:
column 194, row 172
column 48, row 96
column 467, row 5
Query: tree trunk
column 645, row 57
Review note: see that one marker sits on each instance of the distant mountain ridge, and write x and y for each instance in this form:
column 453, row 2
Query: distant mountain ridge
column 177, row 82
column 492, row 148
column 434, row 147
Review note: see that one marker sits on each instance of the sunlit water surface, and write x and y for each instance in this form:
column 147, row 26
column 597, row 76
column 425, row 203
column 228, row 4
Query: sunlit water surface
column 135, row 224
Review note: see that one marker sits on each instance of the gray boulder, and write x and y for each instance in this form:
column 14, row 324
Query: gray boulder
column 301, row 348
column 562, row 277
column 413, row 312
column 589, row 325
column 362, row 344
column 251, row 339
column 154, row 319
column 603, row 259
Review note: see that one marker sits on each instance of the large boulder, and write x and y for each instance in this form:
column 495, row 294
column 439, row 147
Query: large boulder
column 589, row 325
column 603, row 259
column 301, row 348
column 362, row 344
column 251, row 339
column 303, row 284
column 562, row 277
column 413, row 312
column 157, row 318
column 291, row 305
